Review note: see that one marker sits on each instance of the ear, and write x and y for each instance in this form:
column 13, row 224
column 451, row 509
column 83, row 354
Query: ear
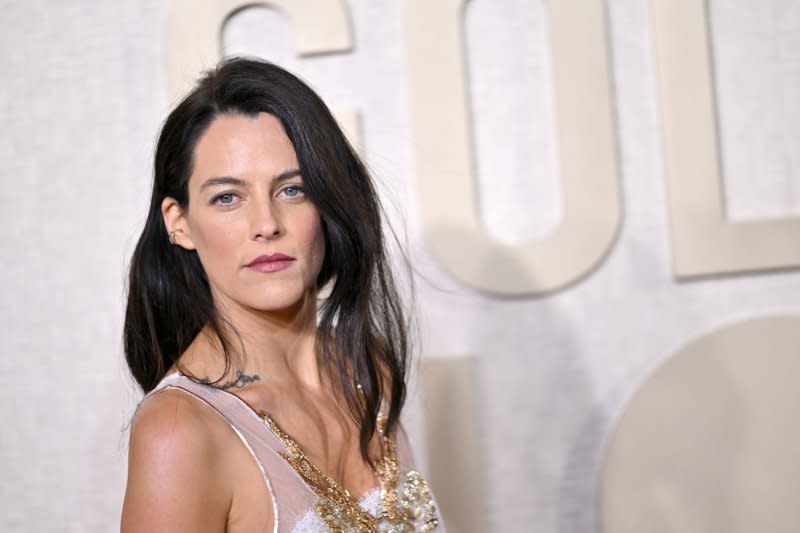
column 175, row 221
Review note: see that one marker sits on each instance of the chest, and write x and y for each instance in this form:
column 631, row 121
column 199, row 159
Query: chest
column 329, row 440
column 279, row 488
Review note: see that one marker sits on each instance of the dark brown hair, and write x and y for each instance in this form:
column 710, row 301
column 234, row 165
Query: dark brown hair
column 361, row 334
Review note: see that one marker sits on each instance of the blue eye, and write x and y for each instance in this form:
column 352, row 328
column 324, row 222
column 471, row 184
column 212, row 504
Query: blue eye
column 224, row 199
column 292, row 191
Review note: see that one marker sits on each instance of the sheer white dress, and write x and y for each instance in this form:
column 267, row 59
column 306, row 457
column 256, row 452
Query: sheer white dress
column 300, row 504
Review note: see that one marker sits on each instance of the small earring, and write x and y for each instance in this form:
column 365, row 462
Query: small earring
column 172, row 237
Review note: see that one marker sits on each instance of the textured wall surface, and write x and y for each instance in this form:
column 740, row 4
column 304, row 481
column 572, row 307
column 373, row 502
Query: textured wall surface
column 84, row 90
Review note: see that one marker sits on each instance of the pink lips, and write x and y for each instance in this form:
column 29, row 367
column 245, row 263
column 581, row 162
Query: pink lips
column 270, row 262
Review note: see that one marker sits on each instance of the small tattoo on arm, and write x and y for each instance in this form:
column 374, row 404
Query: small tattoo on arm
column 240, row 381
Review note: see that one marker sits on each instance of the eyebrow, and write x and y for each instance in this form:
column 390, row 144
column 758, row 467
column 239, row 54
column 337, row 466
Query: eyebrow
column 230, row 180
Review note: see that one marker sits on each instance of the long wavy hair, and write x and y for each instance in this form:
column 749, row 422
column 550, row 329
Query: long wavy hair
column 361, row 333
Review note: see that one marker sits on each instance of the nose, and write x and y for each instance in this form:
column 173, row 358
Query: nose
column 265, row 221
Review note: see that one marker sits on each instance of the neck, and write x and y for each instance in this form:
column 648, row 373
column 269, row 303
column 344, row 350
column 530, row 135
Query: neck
column 270, row 347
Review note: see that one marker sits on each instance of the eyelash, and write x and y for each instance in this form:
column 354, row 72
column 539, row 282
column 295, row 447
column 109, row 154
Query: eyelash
column 299, row 188
column 215, row 199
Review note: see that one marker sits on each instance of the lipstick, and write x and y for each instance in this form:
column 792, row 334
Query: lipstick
column 270, row 262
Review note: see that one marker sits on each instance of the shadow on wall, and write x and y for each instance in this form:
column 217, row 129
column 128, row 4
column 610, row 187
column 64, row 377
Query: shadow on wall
column 503, row 409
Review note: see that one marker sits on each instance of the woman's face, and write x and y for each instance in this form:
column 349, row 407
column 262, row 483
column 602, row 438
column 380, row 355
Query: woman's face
column 256, row 233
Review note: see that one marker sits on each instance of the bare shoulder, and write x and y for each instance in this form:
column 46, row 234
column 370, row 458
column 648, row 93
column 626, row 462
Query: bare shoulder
column 172, row 413
column 176, row 470
column 172, row 421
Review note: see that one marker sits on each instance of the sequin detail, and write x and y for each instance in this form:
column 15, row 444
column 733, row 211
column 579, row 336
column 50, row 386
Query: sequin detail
column 408, row 505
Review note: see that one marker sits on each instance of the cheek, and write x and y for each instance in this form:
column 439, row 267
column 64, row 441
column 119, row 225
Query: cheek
column 215, row 238
column 215, row 243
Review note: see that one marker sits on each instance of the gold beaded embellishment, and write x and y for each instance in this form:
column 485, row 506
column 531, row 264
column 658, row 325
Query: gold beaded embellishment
column 408, row 511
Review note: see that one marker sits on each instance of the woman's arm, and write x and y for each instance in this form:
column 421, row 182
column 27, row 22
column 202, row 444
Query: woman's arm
column 176, row 478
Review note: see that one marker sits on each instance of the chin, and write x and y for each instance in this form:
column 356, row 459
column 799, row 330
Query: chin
column 279, row 300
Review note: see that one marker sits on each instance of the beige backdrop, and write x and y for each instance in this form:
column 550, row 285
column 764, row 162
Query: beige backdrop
column 575, row 195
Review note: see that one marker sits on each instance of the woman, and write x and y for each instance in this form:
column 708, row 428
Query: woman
column 264, row 410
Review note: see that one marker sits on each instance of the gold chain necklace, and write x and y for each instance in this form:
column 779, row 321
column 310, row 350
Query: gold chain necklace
column 337, row 507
